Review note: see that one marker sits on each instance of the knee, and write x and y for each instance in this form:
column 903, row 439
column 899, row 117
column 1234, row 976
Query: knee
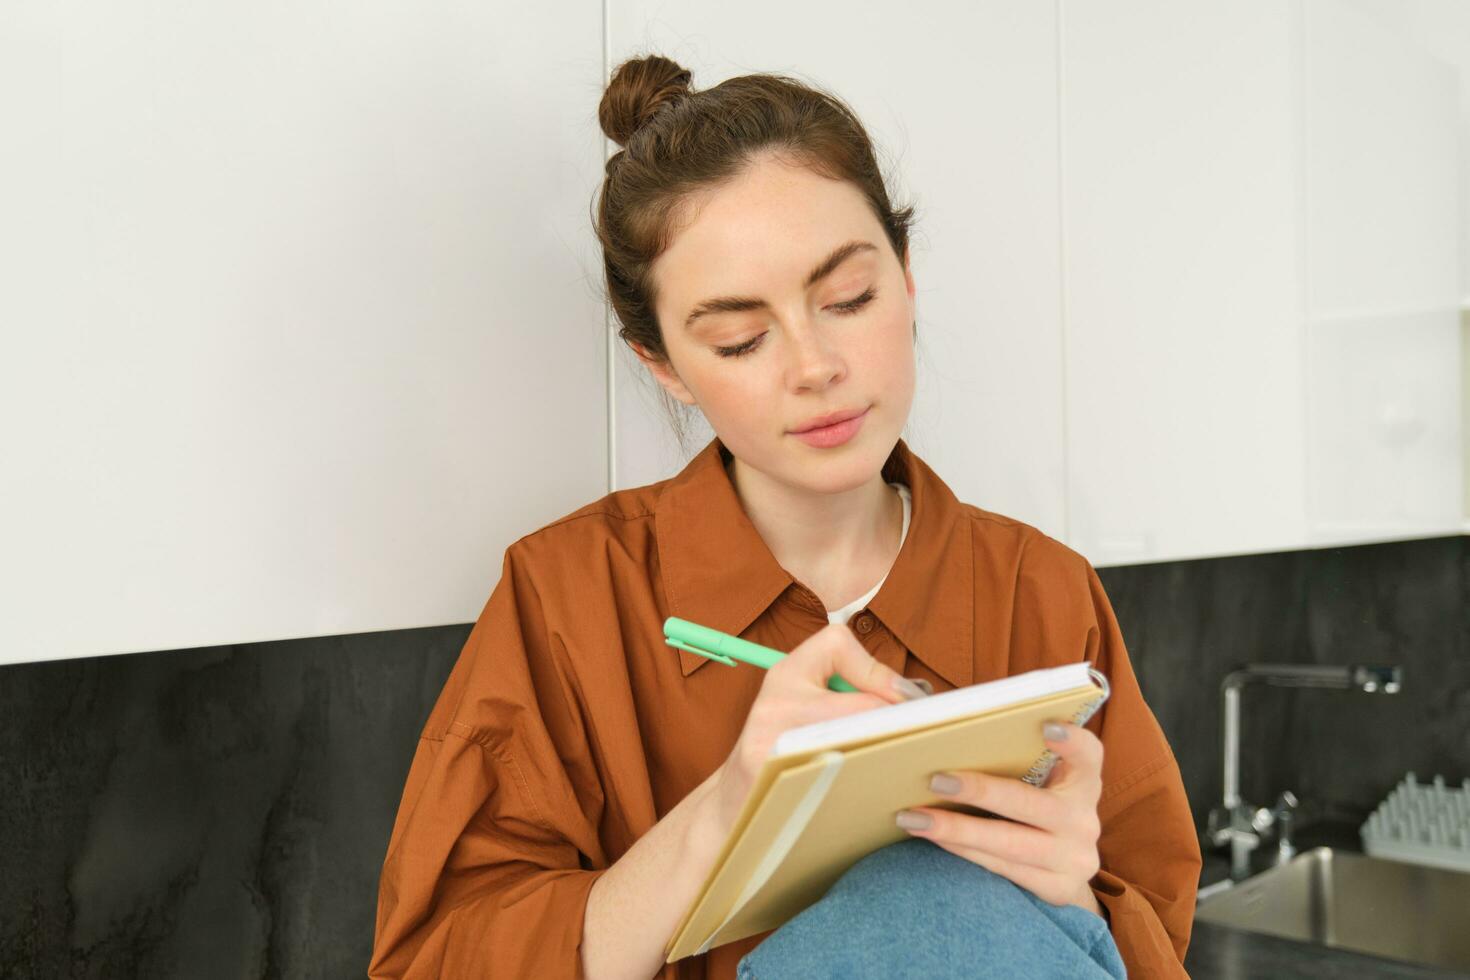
column 919, row 867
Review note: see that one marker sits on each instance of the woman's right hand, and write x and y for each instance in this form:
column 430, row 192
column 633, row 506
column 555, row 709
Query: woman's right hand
column 794, row 692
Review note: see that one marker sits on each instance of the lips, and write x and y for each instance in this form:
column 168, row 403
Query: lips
column 833, row 434
column 822, row 421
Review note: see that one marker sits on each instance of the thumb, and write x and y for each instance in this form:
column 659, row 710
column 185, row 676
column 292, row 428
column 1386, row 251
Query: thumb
column 1080, row 752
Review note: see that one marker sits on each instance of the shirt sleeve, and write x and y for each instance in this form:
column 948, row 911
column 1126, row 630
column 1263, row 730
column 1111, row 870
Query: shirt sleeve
column 1148, row 849
column 494, row 847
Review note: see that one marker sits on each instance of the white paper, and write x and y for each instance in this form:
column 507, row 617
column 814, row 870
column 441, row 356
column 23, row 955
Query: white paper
column 934, row 709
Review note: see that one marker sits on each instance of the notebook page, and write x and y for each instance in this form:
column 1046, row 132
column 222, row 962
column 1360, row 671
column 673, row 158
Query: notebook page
column 932, row 710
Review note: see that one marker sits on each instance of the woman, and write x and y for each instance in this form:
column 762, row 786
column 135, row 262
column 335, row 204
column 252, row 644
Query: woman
column 576, row 777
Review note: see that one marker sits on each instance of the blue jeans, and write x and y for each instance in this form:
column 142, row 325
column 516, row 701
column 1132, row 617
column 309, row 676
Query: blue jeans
column 912, row 909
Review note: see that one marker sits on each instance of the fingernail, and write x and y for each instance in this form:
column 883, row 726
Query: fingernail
column 907, row 688
column 1054, row 732
column 928, row 688
column 944, row 783
column 909, row 820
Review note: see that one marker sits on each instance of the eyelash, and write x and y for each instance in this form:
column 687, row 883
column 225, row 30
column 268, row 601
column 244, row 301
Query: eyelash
column 843, row 309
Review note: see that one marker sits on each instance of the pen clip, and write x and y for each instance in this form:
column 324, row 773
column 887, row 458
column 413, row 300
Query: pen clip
column 680, row 644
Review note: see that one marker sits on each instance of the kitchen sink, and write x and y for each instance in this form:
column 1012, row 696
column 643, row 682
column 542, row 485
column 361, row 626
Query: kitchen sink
column 1350, row 901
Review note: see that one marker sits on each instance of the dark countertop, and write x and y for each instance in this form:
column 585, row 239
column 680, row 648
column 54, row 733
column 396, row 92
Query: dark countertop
column 1219, row 952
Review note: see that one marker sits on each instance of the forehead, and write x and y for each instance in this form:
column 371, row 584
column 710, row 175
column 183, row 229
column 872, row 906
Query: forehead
column 760, row 232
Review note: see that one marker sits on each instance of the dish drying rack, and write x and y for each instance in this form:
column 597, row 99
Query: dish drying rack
column 1422, row 823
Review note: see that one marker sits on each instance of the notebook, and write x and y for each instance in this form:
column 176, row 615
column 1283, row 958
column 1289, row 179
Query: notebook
column 828, row 792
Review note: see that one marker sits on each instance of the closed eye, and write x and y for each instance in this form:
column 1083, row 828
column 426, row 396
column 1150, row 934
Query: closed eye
column 846, row 308
column 856, row 303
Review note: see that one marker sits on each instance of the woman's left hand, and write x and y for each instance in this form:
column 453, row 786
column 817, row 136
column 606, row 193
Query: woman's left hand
column 1052, row 850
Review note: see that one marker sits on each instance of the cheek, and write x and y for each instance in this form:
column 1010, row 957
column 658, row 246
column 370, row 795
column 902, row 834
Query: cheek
column 740, row 398
column 888, row 365
column 891, row 352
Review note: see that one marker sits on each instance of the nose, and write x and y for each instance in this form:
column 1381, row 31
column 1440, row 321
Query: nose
column 815, row 361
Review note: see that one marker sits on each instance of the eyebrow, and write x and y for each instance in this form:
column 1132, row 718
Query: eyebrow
column 737, row 304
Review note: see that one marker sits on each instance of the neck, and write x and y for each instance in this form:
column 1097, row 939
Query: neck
column 836, row 544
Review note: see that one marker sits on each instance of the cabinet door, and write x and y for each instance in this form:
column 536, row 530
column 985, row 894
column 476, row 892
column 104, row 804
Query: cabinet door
column 962, row 101
column 1182, row 280
column 1381, row 206
column 1385, row 427
column 293, row 304
column 1382, row 169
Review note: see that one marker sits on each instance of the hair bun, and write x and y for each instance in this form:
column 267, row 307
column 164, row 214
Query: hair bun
column 640, row 87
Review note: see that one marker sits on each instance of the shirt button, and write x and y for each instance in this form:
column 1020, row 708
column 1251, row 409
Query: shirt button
column 864, row 623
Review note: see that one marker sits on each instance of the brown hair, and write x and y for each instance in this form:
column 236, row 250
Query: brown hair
column 676, row 142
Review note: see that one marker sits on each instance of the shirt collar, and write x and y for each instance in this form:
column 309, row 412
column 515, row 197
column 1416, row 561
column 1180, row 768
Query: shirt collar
column 718, row 571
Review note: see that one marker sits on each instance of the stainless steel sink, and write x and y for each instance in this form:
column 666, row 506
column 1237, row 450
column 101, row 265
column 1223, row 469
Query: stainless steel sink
column 1387, row 908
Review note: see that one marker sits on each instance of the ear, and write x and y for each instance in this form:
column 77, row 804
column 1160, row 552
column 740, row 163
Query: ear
column 908, row 273
column 663, row 372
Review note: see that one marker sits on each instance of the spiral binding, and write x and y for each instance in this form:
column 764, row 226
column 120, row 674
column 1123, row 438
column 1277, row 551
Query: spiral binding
column 1042, row 767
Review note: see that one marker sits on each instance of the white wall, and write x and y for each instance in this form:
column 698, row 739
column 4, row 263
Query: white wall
column 303, row 311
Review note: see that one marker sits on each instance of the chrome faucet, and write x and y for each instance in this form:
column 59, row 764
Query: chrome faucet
column 1239, row 824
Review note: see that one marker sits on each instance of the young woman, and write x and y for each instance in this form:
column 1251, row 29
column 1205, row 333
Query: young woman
column 576, row 777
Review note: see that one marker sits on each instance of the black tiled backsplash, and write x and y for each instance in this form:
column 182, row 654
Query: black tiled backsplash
column 1408, row 603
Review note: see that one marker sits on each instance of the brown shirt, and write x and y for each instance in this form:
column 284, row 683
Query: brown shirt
column 567, row 728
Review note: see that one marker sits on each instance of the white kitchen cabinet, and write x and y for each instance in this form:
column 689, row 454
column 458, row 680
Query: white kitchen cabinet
column 1381, row 214
column 1259, row 209
column 1186, row 287
column 1384, row 448
column 1182, row 279
column 297, row 329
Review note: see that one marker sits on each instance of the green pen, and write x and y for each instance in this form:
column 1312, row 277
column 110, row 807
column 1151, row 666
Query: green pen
column 711, row 643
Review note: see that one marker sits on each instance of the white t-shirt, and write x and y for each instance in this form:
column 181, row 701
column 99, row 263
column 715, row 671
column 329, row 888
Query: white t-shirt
column 842, row 615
